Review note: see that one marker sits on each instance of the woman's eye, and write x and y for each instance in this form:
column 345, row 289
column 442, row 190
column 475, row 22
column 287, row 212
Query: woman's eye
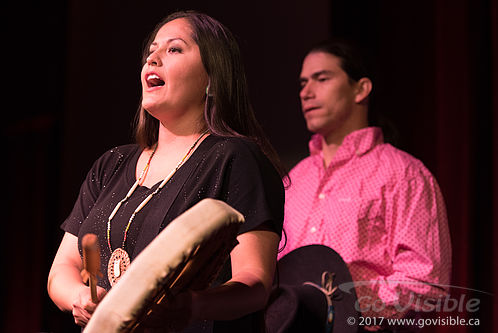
column 322, row 79
column 174, row 50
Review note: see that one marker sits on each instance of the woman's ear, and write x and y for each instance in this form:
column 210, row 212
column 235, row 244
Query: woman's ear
column 364, row 87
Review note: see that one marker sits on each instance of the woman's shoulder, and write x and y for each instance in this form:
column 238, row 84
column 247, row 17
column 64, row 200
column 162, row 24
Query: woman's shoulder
column 118, row 153
column 238, row 151
column 114, row 158
column 243, row 155
column 236, row 146
column 123, row 150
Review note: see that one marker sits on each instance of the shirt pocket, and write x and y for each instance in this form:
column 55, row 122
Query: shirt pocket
column 371, row 223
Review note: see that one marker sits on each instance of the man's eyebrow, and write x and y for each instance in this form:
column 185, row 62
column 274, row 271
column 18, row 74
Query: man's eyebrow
column 315, row 75
column 322, row 72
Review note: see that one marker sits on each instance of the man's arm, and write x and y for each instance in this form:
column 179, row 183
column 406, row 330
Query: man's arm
column 419, row 247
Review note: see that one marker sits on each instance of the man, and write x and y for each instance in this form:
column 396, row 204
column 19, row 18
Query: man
column 377, row 206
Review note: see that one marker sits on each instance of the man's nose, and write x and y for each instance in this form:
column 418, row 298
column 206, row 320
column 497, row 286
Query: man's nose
column 306, row 91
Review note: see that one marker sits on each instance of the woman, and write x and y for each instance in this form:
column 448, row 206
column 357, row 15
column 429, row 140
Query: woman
column 195, row 118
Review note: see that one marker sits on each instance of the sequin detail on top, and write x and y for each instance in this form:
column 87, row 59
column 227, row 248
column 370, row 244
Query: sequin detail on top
column 120, row 255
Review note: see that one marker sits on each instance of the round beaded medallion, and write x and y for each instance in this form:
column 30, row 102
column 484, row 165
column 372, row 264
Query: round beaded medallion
column 118, row 264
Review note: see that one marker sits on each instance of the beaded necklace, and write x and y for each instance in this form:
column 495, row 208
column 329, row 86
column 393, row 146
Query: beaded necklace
column 120, row 260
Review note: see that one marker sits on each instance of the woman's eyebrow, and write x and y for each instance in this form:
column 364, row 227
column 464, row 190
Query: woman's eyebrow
column 170, row 40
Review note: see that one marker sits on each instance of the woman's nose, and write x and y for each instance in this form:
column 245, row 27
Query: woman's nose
column 153, row 60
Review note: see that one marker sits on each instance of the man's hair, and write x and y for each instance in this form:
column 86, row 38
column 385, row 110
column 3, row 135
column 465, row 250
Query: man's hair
column 352, row 59
column 355, row 63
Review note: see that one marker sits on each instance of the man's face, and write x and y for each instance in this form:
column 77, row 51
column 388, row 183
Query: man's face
column 327, row 94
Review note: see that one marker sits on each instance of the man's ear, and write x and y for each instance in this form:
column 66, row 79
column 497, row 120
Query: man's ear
column 364, row 87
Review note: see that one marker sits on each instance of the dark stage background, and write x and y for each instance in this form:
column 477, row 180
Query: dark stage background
column 72, row 74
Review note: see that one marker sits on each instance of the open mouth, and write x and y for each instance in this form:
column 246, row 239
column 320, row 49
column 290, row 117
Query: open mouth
column 153, row 80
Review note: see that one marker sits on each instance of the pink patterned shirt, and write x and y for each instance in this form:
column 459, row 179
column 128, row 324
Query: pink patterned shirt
column 382, row 211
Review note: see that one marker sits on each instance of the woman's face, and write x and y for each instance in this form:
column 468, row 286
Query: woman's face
column 173, row 78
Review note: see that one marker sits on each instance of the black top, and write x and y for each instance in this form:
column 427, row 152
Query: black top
column 233, row 170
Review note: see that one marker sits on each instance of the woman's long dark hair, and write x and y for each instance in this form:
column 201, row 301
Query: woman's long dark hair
column 228, row 111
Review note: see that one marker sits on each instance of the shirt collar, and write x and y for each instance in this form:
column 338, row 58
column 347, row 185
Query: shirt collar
column 358, row 142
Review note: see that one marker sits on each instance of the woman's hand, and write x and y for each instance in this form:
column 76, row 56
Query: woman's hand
column 83, row 307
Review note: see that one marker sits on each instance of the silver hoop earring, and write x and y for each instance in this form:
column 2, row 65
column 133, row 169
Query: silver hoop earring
column 207, row 92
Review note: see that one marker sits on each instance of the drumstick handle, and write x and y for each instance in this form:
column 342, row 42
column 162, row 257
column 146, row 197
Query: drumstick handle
column 91, row 262
column 93, row 289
